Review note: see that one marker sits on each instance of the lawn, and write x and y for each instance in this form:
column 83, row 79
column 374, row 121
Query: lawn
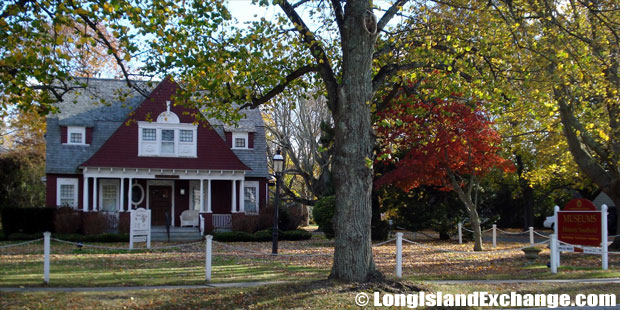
column 239, row 262
column 321, row 294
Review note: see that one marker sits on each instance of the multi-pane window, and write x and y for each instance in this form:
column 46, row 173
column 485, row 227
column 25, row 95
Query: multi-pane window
column 67, row 195
column 186, row 135
column 149, row 134
column 250, row 202
column 66, row 192
column 240, row 142
column 108, row 197
column 167, row 141
column 76, row 137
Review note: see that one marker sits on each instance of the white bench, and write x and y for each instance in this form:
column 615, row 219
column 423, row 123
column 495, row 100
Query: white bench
column 190, row 218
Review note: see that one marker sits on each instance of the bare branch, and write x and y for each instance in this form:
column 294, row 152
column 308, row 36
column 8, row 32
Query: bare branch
column 390, row 14
column 338, row 12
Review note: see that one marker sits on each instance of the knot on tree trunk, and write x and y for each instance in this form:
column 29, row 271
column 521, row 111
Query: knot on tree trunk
column 370, row 22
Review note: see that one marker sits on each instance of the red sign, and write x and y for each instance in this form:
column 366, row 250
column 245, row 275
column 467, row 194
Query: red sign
column 580, row 204
column 580, row 227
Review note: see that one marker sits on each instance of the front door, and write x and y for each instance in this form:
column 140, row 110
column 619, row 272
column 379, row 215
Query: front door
column 160, row 201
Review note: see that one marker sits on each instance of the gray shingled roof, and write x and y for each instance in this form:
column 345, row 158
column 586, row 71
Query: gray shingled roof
column 99, row 107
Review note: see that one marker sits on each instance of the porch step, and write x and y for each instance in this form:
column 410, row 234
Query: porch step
column 158, row 233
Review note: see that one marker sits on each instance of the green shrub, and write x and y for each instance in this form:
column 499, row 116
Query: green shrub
column 295, row 235
column 23, row 237
column 233, row 236
column 323, row 214
column 73, row 237
column 27, row 220
column 263, row 235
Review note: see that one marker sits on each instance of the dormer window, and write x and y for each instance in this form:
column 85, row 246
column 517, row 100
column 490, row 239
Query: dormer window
column 240, row 140
column 167, row 137
column 76, row 135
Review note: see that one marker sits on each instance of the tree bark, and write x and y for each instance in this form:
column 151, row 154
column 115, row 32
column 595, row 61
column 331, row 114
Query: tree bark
column 352, row 171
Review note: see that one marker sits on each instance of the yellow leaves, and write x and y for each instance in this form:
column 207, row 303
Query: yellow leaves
column 603, row 135
column 562, row 54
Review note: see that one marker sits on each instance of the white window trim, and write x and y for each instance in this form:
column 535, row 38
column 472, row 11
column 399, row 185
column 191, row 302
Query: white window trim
column 103, row 182
column 76, row 129
column 67, row 181
column 241, row 135
column 254, row 184
column 177, row 143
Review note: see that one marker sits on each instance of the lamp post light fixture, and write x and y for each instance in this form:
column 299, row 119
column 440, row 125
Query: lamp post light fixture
column 278, row 167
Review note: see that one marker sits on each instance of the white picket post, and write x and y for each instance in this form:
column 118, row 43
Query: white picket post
column 399, row 255
column 604, row 252
column 208, row 242
column 46, row 257
column 553, row 255
column 460, row 229
column 531, row 235
column 494, row 235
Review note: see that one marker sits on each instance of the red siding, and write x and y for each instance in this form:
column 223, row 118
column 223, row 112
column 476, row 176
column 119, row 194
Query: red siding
column 221, row 198
column 229, row 139
column 121, row 150
column 63, row 134
column 262, row 192
column 251, row 140
column 51, row 182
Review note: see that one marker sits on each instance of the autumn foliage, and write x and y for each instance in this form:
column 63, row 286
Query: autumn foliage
column 428, row 140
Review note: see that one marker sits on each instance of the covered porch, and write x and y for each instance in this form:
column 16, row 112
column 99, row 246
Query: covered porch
column 166, row 192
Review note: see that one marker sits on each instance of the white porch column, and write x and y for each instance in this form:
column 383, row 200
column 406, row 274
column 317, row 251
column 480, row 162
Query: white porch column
column 233, row 208
column 242, row 196
column 122, row 202
column 209, row 196
column 85, row 194
column 95, row 194
column 202, row 195
column 130, row 194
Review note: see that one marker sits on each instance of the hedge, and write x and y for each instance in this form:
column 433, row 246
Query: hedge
column 261, row 236
column 73, row 237
column 27, row 220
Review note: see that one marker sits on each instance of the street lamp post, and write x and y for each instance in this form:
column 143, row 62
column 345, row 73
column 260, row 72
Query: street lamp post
column 278, row 166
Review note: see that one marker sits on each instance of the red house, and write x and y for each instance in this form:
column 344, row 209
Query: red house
column 110, row 155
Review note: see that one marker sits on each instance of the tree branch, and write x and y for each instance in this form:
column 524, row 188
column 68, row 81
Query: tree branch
column 257, row 101
column 338, row 13
column 385, row 19
column 324, row 68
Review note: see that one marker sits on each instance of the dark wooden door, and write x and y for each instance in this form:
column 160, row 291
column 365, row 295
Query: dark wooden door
column 160, row 201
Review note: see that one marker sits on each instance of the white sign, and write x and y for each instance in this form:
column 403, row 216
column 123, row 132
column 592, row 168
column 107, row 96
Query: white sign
column 140, row 227
column 566, row 248
column 592, row 250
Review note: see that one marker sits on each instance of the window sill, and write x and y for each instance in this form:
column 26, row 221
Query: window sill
column 78, row 144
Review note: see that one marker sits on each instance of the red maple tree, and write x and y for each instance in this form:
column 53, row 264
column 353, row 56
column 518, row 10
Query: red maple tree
column 445, row 143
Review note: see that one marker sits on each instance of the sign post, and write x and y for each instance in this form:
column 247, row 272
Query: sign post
column 582, row 229
column 140, row 227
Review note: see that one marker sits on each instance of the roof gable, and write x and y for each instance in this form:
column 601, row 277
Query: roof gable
column 121, row 149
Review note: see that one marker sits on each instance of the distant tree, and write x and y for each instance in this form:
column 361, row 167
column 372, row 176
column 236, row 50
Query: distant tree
column 448, row 143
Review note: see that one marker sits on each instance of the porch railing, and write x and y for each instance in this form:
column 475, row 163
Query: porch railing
column 222, row 221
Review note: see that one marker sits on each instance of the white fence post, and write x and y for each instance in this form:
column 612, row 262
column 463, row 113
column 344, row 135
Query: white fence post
column 531, row 235
column 604, row 250
column 556, row 209
column 208, row 242
column 494, row 235
column 46, row 257
column 399, row 255
column 554, row 253
column 460, row 228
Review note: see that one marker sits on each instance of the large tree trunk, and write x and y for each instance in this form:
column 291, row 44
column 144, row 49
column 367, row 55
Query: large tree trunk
column 470, row 206
column 352, row 173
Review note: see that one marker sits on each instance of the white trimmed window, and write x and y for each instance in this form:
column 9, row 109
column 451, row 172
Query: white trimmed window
column 167, row 140
column 76, row 135
column 240, row 140
column 67, row 192
column 250, row 196
column 109, row 195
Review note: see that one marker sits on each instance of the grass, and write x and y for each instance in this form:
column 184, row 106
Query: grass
column 22, row 266
column 301, row 295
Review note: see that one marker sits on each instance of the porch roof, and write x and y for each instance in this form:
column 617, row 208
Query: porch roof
column 163, row 174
